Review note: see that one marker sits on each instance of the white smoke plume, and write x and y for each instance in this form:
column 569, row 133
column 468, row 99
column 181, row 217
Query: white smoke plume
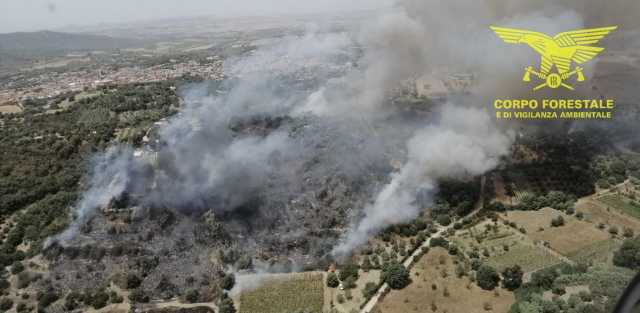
column 110, row 175
column 464, row 142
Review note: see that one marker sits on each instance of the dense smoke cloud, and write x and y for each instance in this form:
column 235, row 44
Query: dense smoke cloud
column 200, row 162
column 204, row 164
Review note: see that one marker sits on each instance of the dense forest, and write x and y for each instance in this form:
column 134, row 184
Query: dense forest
column 45, row 154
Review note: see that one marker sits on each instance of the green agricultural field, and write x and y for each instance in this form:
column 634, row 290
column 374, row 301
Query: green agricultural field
column 598, row 252
column 622, row 204
column 528, row 257
column 300, row 293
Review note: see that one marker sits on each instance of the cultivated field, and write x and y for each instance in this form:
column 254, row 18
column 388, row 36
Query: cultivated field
column 451, row 294
column 570, row 238
column 621, row 203
column 506, row 247
column 487, row 235
column 597, row 252
column 596, row 212
column 284, row 294
column 11, row 108
column 530, row 258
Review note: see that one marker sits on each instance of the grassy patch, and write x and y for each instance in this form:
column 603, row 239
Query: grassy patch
column 622, row 204
column 596, row 252
column 435, row 286
column 303, row 292
column 529, row 258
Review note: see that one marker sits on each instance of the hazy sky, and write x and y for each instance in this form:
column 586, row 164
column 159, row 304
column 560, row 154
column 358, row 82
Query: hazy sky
column 30, row 15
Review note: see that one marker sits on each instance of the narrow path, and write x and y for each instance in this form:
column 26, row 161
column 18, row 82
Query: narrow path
column 174, row 303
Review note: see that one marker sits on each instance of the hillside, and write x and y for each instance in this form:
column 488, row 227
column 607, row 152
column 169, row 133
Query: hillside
column 51, row 42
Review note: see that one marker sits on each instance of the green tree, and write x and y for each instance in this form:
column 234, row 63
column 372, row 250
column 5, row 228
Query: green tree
column 443, row 219
column 227, row 306
column 99, row 299
column 347, row 270
column 6, row 304
column 544, row 278
column 72, row 300
column 192, row 295
column 629, row 254
column 332, row 280
column 47, row 297
column 369, row 290
column 138, row 296
column 17, row 268
column 133, row 281
column 439, row 242
column 349, row 283
column 228, row 281
column 487, row 277
column 366, row 264
column 512, row 277
column 396, row 275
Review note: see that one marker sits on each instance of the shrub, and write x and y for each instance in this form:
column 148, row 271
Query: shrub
column 461, row 270
column 369, row 290
column 585, row 296
column 99, row 299
column 439, row 242
column 558, row 221
column 192, row 296
column 17, row 268
column 348, row 270
column 22, row 307
column 613, row 230
column 6, row 304
column 332, row 280
column 133, row 281
column 476, row 264
column 115, row 297
column 349, row 283
column 512, row 277
column 228, row 281
column 366, row 264
column 629, row 254
column 227, row 306
column 544, row 278
column 627, row 232
column 443, row 219
column 487, row 277
column 138, row 296
column 46, row 298
column 72, row 300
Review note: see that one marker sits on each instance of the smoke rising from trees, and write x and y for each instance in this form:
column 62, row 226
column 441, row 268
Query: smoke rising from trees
column 463, row 143
column 203, row 164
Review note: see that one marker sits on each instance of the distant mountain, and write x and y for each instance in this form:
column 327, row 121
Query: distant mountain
column 48, row 42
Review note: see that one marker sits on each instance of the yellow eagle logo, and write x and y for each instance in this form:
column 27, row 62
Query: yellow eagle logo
column 561, row 51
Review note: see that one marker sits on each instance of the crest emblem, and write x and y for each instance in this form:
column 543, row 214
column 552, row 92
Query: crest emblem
column 558, row 53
